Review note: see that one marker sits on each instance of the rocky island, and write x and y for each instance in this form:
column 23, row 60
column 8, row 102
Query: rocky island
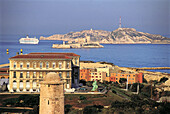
column 118, row 36
column 80, row 43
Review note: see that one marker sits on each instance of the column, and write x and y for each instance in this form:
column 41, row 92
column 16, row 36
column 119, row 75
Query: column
column 24, row 84
column 31, row 83
column 18, row 90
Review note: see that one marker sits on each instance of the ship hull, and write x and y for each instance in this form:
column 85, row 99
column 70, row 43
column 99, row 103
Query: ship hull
column 28, row 41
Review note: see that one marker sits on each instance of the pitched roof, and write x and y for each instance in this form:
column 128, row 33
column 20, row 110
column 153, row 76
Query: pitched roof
column 4, row 69
column 41, row 56
column 67, row 54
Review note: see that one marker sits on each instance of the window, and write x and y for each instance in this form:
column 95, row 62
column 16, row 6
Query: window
column 41, row 64
column 28, row 75
column 34, row 65
column 21, row 74
column 67, row 65
column 129, row 78
column 60, row 65
column 132, row 78
column 47, row 65
column 40, row 75
column 15, row 65
column 92, row 76
column 100, row 76
column 116, row 78
column 96, row 76
column 34, row 74
column 100, row 73
column 21, row 65
column 75, row 60
column 68, row 75
column 53, row 65
column 14, row 74
column 28, row 65
column 133, row 75
column 60, row 74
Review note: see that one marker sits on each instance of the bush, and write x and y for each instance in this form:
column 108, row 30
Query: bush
column 163, row 80
column 90, row 110
column 83, row 82
column 82, row 97
column 93, row 109
column 67, row 108
column 113, row 91
column 144, row 80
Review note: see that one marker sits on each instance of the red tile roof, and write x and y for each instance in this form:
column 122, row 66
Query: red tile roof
column 67, row 54
column 42, row 56
column 4, row 73
column 4, row 69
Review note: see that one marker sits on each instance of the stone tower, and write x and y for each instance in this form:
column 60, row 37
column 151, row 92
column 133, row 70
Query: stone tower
column 52, row 95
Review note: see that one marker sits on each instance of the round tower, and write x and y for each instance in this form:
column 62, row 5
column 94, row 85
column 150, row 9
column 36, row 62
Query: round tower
column 52, row 95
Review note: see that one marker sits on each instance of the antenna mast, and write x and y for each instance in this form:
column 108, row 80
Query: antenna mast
column 120, row 25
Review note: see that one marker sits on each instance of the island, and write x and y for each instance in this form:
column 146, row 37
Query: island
column 118, row 36
column 78, row 43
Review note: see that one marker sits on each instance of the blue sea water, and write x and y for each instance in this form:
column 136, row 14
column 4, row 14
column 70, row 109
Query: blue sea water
column 126, row 55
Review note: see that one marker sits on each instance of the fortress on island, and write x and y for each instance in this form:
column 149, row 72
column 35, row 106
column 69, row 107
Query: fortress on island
column 79, row 43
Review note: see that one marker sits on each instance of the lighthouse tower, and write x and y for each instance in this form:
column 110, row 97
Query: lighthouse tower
column 52, row 95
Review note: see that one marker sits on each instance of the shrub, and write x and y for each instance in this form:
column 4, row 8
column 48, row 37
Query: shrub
column 82, row 97
column 67, row 108
column 162, row 80
column 113, row 91
column 90, row 110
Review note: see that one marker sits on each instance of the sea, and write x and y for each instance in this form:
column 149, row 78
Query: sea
column 124, row 55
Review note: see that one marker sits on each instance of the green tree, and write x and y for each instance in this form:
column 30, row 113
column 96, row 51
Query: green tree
column 67, row 108
column 162, row 80
column 122, row 80
column 83, row 82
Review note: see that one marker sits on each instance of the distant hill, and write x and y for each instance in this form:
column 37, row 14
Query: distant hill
column 118, row 36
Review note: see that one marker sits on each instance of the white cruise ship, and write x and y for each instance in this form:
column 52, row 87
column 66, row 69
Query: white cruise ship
column 28, row 40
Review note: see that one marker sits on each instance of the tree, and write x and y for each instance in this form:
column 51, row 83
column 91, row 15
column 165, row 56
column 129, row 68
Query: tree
column 144, row 80
column 67, row 108
column 163, row 80
column 122, row 80
column 83, row 82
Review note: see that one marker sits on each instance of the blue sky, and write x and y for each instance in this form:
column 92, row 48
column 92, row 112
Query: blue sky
column 47, row 17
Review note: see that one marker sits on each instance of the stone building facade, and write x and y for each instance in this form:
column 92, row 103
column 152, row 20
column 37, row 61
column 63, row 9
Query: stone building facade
column 26, row 71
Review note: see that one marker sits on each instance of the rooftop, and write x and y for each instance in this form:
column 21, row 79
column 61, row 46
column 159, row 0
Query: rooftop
column 67, row 54
column 46, row 55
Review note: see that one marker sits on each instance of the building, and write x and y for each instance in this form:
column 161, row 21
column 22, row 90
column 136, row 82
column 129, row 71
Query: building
column 4, row 73
column 85, row 74
column 131, row 77
column 52, row 95
column 97, row 75
column 92, row 75
column 26, row 71
column 109, row 74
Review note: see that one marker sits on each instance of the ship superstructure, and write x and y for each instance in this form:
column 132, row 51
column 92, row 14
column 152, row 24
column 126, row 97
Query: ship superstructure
column 28, row 40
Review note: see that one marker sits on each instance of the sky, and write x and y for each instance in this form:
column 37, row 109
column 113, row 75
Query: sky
column 47, row 17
